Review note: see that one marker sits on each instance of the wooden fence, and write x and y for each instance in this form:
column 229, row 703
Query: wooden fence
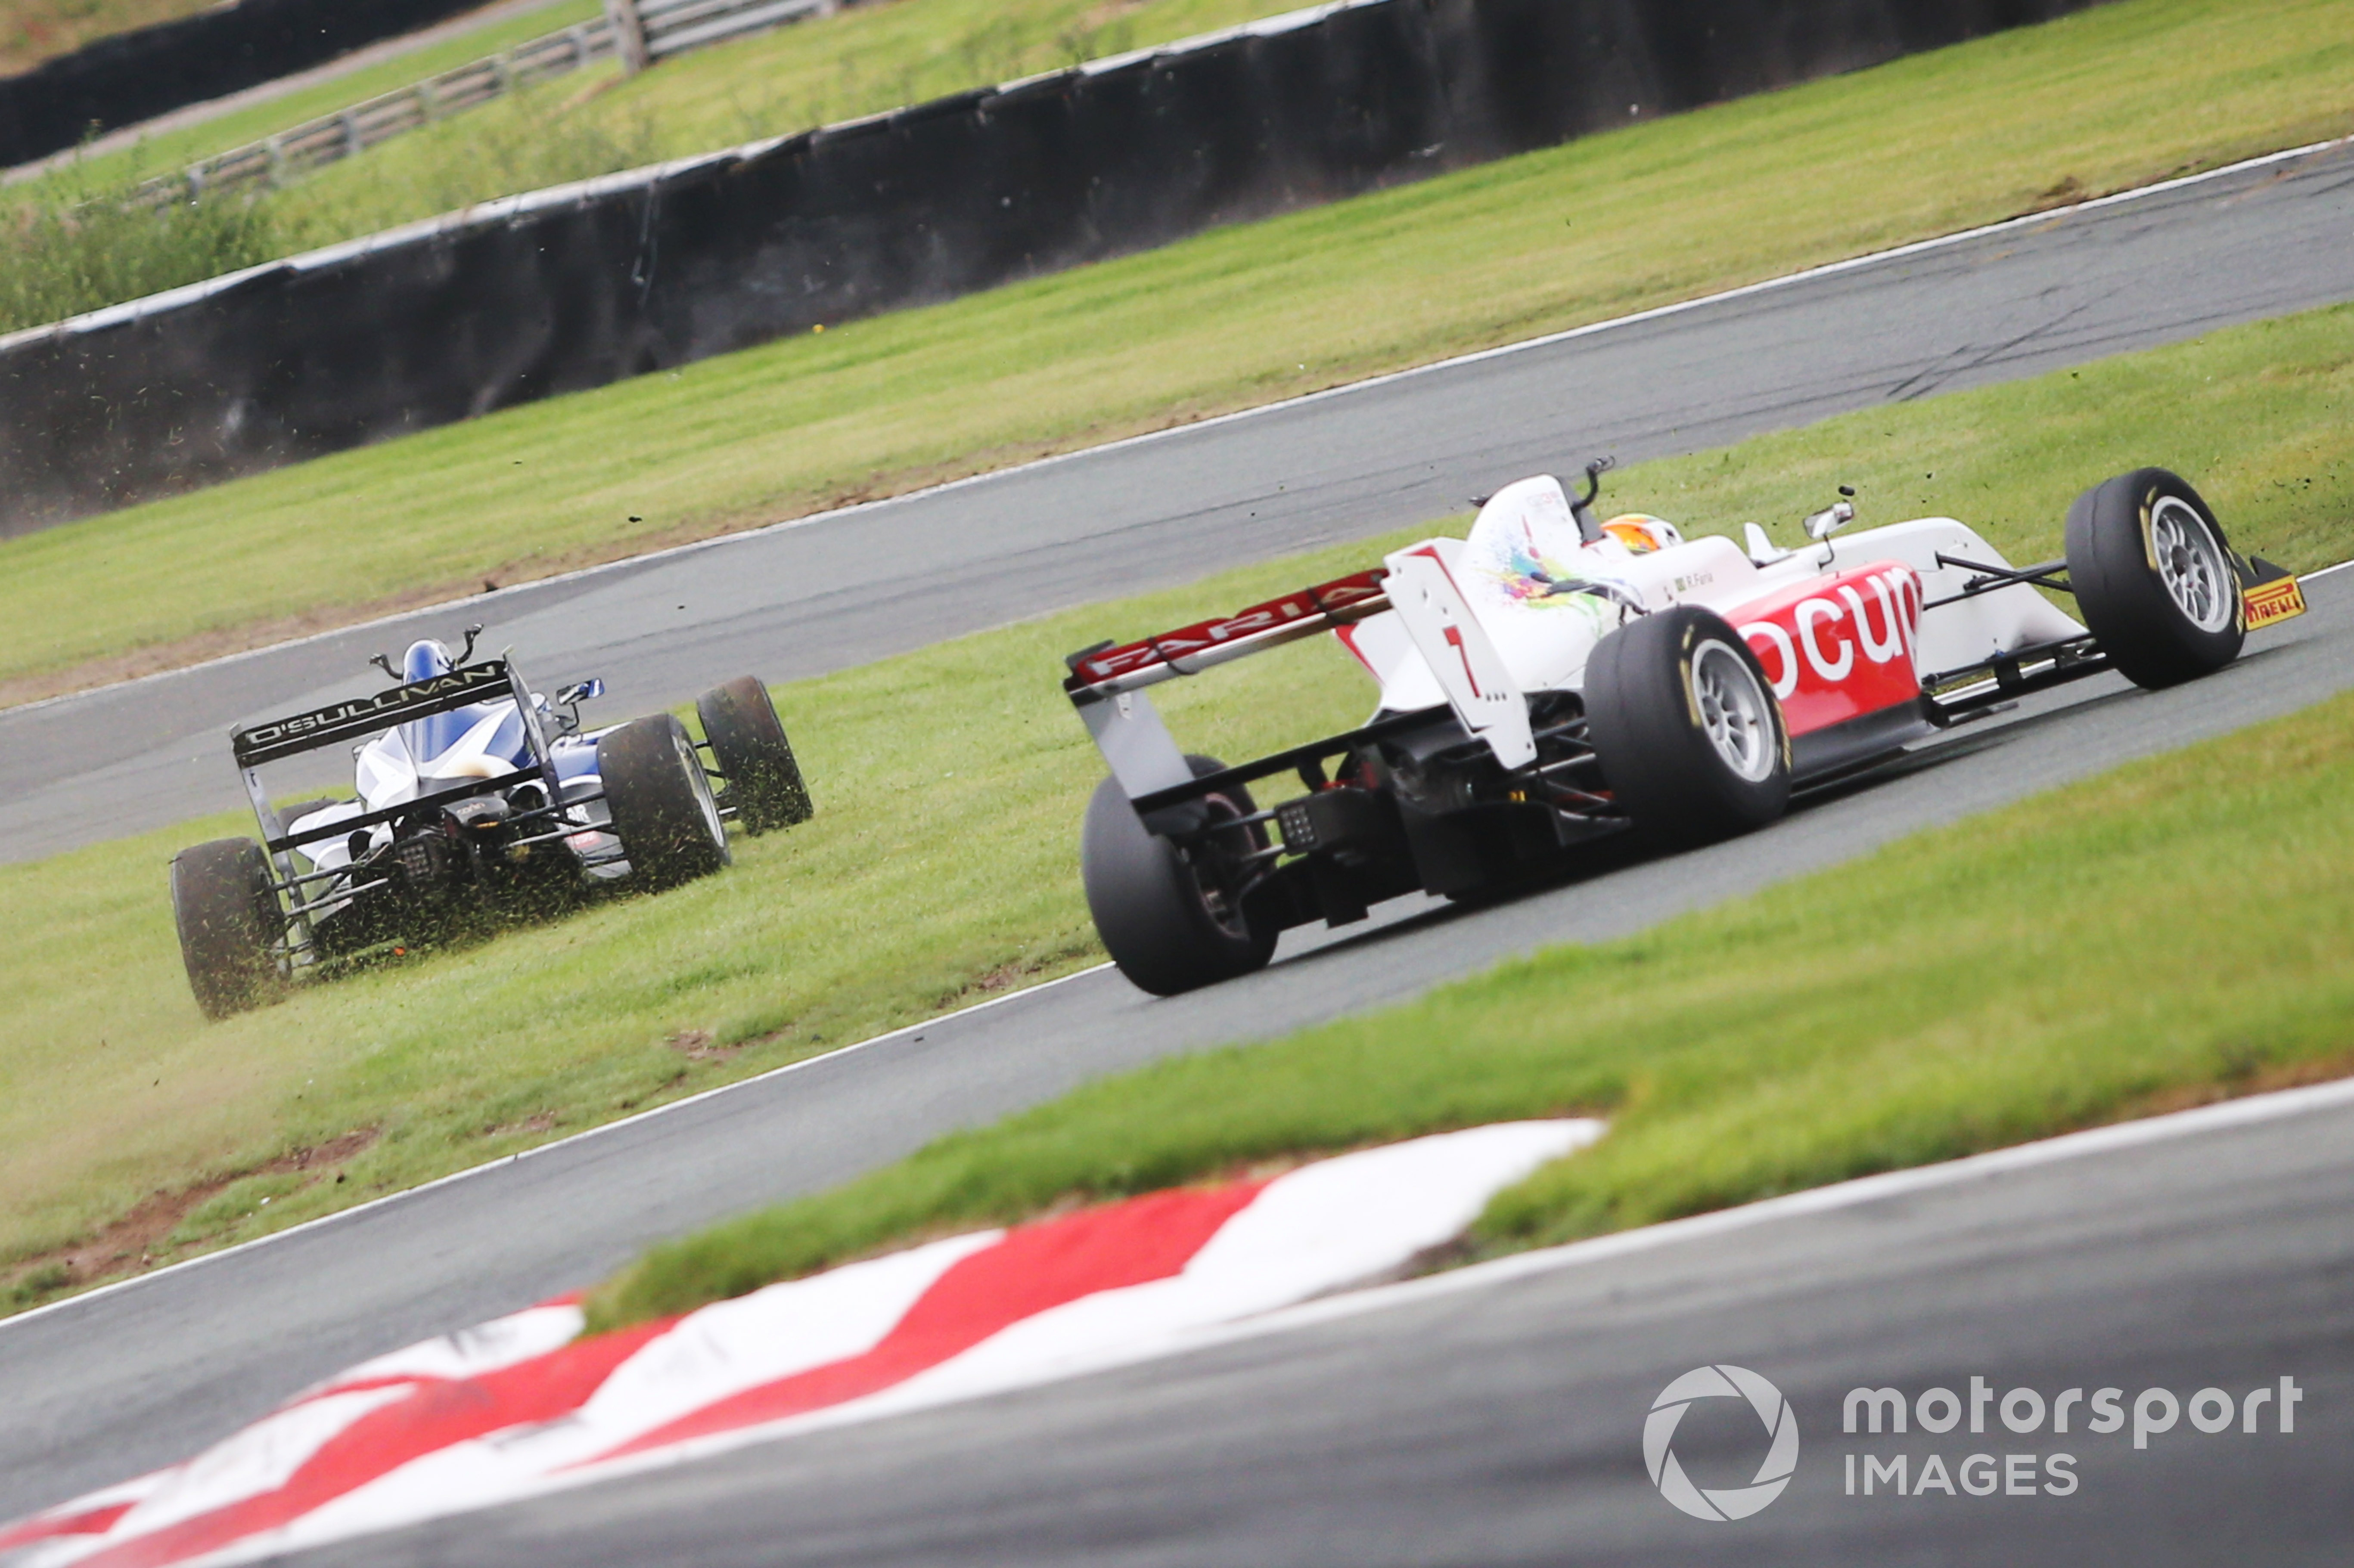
column 640, row 31
column 651, row 30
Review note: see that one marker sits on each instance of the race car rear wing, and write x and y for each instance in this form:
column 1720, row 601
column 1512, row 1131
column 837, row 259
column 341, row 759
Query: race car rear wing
column 1106, row 684
column 358, row 717
column 1108, row 669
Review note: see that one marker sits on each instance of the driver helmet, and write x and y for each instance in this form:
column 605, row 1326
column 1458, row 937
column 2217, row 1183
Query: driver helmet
column 425, row 660
column 1642, row 533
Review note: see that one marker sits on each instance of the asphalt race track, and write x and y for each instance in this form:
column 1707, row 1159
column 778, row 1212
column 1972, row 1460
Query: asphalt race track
column 856, row 586
column 105, row 1386
column 102, row 1387
column 1503, row 1424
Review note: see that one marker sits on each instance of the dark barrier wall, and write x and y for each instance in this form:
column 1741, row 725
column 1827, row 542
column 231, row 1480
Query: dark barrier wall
column 634, row 274
column 136, row 76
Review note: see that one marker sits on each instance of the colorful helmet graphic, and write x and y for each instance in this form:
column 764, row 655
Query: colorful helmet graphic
column 1641, row 532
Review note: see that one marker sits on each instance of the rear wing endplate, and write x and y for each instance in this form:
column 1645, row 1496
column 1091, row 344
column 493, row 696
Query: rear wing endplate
column 1106, row 681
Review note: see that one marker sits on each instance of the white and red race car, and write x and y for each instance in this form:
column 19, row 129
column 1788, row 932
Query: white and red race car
column 1552, row 679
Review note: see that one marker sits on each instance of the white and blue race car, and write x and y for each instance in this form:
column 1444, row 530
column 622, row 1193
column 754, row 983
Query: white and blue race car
column 472, row 791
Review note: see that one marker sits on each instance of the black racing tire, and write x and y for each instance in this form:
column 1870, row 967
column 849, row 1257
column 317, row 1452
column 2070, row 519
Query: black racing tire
column 748, row 742
column 2154, row 579
column 230, row 925
column 663, row 808
column 1690, row 739
column 1162, row 910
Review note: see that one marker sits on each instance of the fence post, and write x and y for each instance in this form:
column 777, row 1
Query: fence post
column 629, row 33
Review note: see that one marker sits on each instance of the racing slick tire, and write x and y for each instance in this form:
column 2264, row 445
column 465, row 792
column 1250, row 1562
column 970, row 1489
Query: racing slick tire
column 2154, row 579
column 1685, row 726
column 663, row 809
column 747, row 741
column 1165, row 914
column 229, row 924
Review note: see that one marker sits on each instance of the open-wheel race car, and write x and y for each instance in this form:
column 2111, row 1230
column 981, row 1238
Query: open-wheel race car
column 1552, row 679
column 474, row 791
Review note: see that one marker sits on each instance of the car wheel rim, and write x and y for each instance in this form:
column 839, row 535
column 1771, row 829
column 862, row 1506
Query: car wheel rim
column 2190, row 563
column 1211, row 868
column 705, row 802
column 1734, row 711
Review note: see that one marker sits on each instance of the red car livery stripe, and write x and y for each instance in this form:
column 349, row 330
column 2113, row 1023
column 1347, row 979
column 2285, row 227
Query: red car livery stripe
column 1839, row 647
column 1359, row 591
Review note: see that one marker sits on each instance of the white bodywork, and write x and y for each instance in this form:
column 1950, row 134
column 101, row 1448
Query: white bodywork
column 490, row 744
column 1526, row 544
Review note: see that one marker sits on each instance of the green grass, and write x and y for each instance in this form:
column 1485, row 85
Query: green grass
column 1907, row 1008
column 1658, row 212
column 166, row 152
column 941, row 865
column 875, row 57
column 36, row 31
column 56, row 261
column 859, row 61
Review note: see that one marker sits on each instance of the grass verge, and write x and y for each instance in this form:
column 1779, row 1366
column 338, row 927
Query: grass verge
column 1909, row 1008
column 37, row 30
column 168, row 150
column 941, row 867
column 1658, row 212
column 878, row 56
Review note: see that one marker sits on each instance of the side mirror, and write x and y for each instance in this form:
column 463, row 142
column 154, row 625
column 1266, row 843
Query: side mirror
column 1831, row 520
column 580, row 692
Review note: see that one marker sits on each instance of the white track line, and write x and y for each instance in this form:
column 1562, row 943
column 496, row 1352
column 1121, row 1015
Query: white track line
column 1824, row 271
column 1831, row 269
column 703, row 1095
column 471, row 1172
column 2251, row 1111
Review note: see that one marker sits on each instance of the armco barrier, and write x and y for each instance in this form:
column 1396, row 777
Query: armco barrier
column 136, row 76
column 576, row 287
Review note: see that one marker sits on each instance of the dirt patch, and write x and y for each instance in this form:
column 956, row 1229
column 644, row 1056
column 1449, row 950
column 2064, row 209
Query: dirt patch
column 140, row 1239
column 2067, row 192
column 698, row 1046
column 1008, row 977
column 544, row 1122
column 2241, row 1080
